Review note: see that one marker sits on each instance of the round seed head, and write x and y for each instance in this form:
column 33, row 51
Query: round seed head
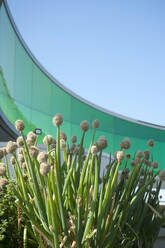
column 155, row 165
column 102, row 143
column 120, row 155
column 146, row 154
column 19, row 125
column 42, row 157
column 2, row 169
column 137, row 160
column 20, row 150
column 73, row 139
column 12, row 160
column 63, row 136
column 3, row 182
column 29, row 143
column 21, row 158
column 162, row 175
column 33, row 151
column 62, row 143
column 76, row 150
column 94, row 149
column 1, row 154
column 44, row 169
column 125, row 144
column 32, row 137
column 48, row 139
column 57, row 120
column 95, row 124
column 128, row 156
column 133, row 163
column 20, row 141
column 139, row 154
column 72, row 147
column 84, row 125
column 150, row 143
column 11, row 147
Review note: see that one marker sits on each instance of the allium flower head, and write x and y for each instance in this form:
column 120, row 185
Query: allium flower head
column 133, row 163
column 19, row 125
column 57, row 120
column 102, row 143
column 162, row 175
column 155, row 165
column 3, row 182
column 63, row 136
column 21, row 158
column 137, row 160
column 33, row 151
column 120, row 155
column 11, row 147
column 84, row 125
column 32, row 137
column 42, row 157
column 73, row 139
column 1, row 154
column 139, row 154
column 44, row 169
column 125, row 144
column 4, row 150
column 146, row 154
column 95, row 124
column 62, row 143
column 150, row 143
column 94, row 149
column 20, row 141
column 72, row 147
column 48, row 139
column 2, row 169
column 20, row 150
column 12, row 160
column 128, row 156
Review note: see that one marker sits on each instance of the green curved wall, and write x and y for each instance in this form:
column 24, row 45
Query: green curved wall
column 28, row 93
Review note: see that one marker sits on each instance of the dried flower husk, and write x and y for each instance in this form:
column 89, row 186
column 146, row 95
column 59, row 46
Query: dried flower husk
column 57, row 120
column 19, row 125
column 84, row 125
column 48, row 139
column 44, row 169
column 95, row 124
column 11, row 147
column 42, row 157
column 2, row 169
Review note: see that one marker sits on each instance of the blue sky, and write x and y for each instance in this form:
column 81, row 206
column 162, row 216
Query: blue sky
column 110, row 52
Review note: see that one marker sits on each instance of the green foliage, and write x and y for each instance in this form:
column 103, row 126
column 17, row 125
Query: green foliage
column 69, row 206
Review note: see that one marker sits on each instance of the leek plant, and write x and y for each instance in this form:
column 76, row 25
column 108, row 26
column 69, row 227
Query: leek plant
column 69, row 205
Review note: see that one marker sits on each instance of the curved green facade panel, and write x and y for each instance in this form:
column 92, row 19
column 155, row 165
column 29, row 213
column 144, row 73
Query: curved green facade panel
column 29, row 93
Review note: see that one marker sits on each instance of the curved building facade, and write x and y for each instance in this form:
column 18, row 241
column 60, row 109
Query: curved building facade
column 30, row 93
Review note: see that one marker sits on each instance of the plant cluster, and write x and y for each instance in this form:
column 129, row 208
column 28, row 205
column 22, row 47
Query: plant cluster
column 69, row 205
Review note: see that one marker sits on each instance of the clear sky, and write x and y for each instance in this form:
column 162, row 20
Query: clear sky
column 110, row 52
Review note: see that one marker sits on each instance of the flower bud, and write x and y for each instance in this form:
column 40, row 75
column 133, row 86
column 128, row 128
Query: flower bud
column 125, row 144
column 3, row 182
column 12, row 160
column 120, row 155
column 150, row 143
column 20, row 141
column 133, row 163
column 44, row 169
column 72, row 147
column 20, row 150
column 4, row 150
column 32, row 137
column 95, row 124
column 33, row 151
column 1, row 154
column 11, row 147
column 57, row 120
column 162, row 175
column 146, row 154
column 155, row 165
column 21, row 158
column 73, row 139
column 2, row 169
column 128, row 156
column 94, row 149
column 102, row 143
column 63, row 136
column 84, row 125
column 76, row 150
column 62, row 143
column 19, row 125
column 48, row 139
column 42, row 157
column 139, row 154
